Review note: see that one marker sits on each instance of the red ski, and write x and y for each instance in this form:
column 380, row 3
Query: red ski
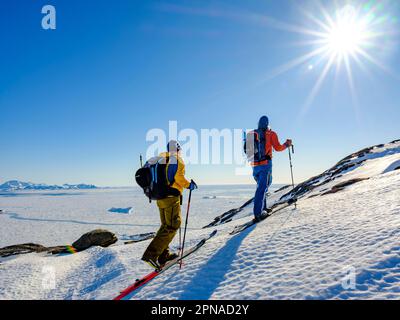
column 141, row 282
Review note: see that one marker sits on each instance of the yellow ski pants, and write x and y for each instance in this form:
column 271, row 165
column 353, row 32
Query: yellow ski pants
column 170, row 216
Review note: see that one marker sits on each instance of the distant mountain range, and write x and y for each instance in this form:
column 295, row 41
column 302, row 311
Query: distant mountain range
column 15, row 185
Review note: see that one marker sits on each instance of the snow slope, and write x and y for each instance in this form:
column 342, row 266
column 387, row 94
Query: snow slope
column 346, row 227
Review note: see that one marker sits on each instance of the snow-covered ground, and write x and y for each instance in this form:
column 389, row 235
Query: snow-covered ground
column 336, row 245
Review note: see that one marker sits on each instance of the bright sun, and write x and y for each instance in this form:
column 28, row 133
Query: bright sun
column 345, row 38
column 342, row 38
column 347, row 34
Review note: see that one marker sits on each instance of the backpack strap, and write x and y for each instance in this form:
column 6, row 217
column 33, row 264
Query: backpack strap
column 167, row 167
column 268, row 143
column 262, row 143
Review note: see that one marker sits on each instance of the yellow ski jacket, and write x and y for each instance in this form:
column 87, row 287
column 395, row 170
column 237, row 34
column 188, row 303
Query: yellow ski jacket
column 176, row 171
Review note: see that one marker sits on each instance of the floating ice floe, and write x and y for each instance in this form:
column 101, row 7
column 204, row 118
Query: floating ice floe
column 121, row 210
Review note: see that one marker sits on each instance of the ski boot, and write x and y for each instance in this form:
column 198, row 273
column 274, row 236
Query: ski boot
column 152, row 263
column 261, row 217
column 164, row 258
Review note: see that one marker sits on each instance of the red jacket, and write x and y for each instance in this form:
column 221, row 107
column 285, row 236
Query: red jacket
column 272, row 141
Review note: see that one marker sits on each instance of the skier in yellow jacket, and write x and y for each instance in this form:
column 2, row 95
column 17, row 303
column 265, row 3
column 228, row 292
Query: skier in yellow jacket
column 158, row 253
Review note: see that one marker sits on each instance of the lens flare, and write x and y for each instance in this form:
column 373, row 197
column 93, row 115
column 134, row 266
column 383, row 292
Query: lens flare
column 343, row 37
column 348, row 33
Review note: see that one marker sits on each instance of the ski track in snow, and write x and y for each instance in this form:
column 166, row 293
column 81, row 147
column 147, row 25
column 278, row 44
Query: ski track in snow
column 305, row 253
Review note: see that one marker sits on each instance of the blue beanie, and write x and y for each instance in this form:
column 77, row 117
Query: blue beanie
column 263, row 123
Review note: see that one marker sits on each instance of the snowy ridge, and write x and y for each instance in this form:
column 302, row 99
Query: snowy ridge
column 15, row 185
column 331, row 180
column 356, row 167
column 347, row 223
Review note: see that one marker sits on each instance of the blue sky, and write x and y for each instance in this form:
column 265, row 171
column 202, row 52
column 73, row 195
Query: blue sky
column 76, row 102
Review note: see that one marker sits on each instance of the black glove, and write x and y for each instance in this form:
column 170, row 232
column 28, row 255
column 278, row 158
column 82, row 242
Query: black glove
column 192, row 185
column 288, row 143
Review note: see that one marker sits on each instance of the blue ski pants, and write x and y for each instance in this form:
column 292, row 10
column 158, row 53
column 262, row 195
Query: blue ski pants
column 263, row 176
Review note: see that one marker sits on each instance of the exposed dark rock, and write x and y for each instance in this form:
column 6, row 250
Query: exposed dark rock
column 280, row 189
column 357, row 154
column 342, row 185
column 343, row 168
column 21, row 249
column 227, row 216
column 99, row 237
column 58, row 250
column 139, row 237
column 349, row 182
column 337, row 170
column 333, row 190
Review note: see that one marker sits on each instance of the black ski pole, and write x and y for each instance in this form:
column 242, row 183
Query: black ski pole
column 180, row 229
column 141, row 161
column 184, row 232
column 180, row 240
column 291, row 171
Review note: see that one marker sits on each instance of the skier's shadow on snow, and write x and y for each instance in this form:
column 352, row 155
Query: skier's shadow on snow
column 209, row 277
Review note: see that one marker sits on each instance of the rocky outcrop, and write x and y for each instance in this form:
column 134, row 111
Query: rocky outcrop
column 227, row 216
column 97, row 237
column 342, row 185
column 21, row 249
column 348, row 163
column 282, row 188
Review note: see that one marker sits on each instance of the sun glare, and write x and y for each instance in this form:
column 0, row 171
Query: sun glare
column 347, row 34
column 343, row 37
